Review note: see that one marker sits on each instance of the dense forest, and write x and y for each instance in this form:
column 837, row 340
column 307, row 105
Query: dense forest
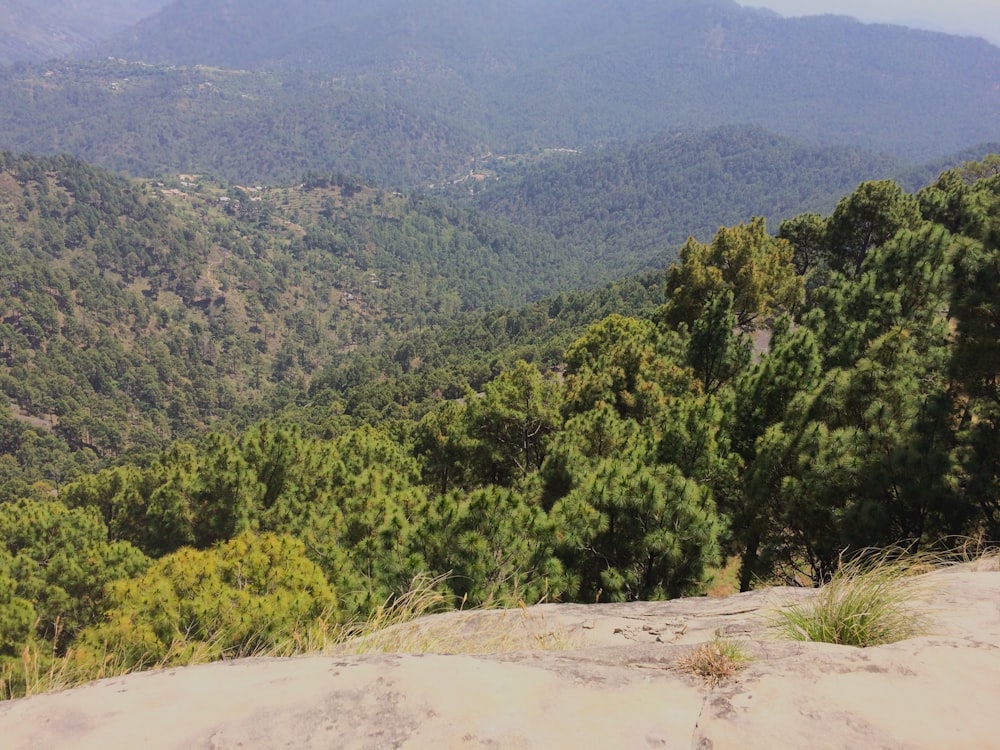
column 138, row 312
column 152, row 120
column 132, row 313
column 629, row 202
column 777, row 398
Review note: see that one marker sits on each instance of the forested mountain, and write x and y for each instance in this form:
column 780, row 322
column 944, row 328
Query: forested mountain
column 135, row 312
column 242, row 127
column 416, row 94
column 561, row 73
column 628, row 203
column 132, row 313
column 35, row 30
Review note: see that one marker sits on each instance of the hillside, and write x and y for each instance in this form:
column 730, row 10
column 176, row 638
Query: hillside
column 248, row 298
column 133, row 313
column 629, row 207
column 241, row 127
column 36, row 30
column 764, row 405
column 562, row 74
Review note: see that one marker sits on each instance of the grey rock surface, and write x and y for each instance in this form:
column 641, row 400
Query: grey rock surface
column 615, row 683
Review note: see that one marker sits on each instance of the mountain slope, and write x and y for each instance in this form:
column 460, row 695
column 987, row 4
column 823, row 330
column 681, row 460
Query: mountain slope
column 132, row 313
column 244, row 127
column 564, row 73
column 35, row 30
column 635, row 205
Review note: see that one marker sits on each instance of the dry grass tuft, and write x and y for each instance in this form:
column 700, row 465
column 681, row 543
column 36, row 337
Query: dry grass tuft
column 38, row 671
column 401, row 626
column 715, row 661
column 978, row 552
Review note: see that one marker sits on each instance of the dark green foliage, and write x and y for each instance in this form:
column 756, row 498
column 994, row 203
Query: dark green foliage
column 497, row 546
column 717, row 348
column 744, row 261
column 629, row 529
column 511, row 424
column 629, row 207
column 17, row 614
column 867, row 218
column 807, row 235
column 976, row 361
column 625, row 363
column 868, row 453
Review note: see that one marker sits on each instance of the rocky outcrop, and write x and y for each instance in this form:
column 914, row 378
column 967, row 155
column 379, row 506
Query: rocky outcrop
column 615, row 682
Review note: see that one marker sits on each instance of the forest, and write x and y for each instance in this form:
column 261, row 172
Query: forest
column 779, row 397
column 412, row 95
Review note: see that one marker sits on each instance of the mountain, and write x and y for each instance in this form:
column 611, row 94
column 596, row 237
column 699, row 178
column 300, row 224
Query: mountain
column 244, row 127
column 36, row 30
column 413, row 94
column 632, row 206
column 563, row 73
column 132, row 313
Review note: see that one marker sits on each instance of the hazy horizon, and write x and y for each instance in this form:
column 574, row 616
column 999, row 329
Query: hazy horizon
column 965, row 17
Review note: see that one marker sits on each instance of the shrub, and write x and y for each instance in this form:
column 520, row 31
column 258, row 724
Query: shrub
column 241, row 598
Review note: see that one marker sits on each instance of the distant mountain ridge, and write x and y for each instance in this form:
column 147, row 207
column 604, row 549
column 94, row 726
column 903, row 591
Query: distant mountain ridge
column 563, row 73
column 36, row 30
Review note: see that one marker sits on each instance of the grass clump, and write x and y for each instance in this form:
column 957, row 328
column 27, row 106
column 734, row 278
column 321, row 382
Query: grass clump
column 715, row 661
column 871, row 600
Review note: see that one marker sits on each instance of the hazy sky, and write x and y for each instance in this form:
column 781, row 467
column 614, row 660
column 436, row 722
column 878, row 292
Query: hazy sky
column 975, row 17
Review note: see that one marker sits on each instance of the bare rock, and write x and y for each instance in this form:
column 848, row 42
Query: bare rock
column 615, row 683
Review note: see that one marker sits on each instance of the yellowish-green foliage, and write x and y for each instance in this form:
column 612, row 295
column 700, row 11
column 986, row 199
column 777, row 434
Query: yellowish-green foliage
column 870, row 601
column 16, row 613
column 716, row 660
column 238, row 599
column 625, row 363
column 744, row 259
column 38, row 670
